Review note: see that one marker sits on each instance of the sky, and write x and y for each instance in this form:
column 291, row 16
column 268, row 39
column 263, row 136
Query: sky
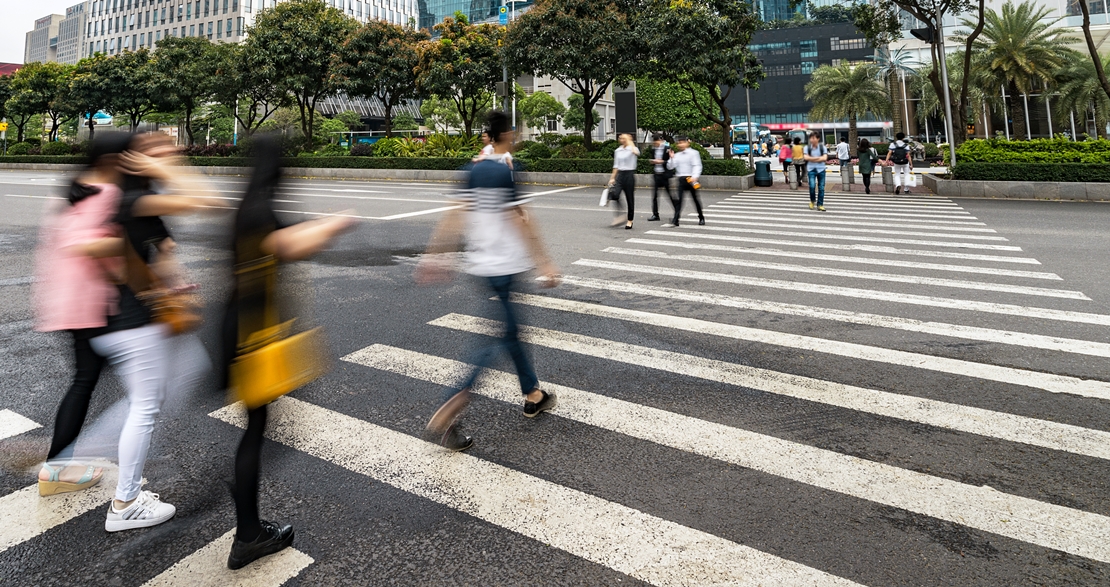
column 19, row 17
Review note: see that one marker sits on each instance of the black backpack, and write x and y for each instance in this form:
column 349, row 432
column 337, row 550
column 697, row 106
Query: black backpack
column 900, row 155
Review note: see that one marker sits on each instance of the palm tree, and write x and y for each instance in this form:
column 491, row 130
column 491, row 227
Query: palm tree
column 930, row 104
column 847, row 91
column 1079, row 90
column 894, row 67
column 1020, row 50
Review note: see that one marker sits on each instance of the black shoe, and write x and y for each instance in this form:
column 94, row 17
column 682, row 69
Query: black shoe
column 867, row 191
column 272, row 539
column 898, row 189
column 453, row 440
column 653, row 218
column 701, row 221
column 533, row 409
column 628, row 226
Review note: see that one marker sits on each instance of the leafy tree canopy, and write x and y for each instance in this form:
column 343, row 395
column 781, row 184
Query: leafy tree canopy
column 379, row 60
column 186, row 68
column 575, row 117
column 538, row 108
column 462, row 66
column 666, row 107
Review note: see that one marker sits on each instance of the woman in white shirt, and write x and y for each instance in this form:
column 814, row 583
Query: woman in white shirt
column 623, row 178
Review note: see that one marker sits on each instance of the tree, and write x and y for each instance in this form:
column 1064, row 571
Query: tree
column 186, row 69
column 404, row 122
column 538, row 108
column 722, row 61
column 439, row 114
column 350, row 119
column 585, row 44
column 894, row 67
column 1092, row 48
column 20, row 109
column 89, row 91
column 302, row 40
column 248, row 85
column 980, row 90
column 1020, row 51
column 5, row 93
column 1080, row 90
column 846, row 91
column 576, row 118
column 461, row 66
column 41, row 88
column 136, row 86
column 379, row 60
column 666, row 107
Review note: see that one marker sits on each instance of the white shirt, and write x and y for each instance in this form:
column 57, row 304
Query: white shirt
column 487, row 150
column 687, row 163
column 843, row 153
column 495, row 246
column 624, row 158
column 659, row 151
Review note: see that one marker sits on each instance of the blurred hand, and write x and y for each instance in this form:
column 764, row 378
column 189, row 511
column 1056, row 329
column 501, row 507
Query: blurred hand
column 549, row 275
column 432, row 270
column 134, row 163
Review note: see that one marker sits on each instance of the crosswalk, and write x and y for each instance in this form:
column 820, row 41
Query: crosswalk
column 693, row 305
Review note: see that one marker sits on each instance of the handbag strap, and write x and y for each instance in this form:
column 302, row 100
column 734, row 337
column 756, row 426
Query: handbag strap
column 140, row 277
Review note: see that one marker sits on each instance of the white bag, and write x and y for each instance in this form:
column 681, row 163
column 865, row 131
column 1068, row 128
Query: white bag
column 604, row 197
column 911, row 179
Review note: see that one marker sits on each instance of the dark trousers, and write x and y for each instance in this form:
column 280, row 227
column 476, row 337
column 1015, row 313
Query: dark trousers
column 866, row 181
column 683, row 187
column 503, row 287
column 75, row 404
column 626, row 184
column 800, row 172
column 247, row 463
column 661, row 181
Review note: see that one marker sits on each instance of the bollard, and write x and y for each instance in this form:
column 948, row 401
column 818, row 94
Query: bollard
column 792, row 176
column 888, row 178
column 846, row 178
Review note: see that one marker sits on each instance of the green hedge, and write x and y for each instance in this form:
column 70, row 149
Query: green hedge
column 1063, row 172
column 344, row 162
column 710, row 167
column 56, row 159
column 1056, row 150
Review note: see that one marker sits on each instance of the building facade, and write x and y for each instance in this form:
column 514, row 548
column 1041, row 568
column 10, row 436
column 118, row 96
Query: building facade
column 71, row 35
column 42, row 41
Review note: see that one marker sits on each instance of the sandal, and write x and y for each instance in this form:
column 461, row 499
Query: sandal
column 54, row 485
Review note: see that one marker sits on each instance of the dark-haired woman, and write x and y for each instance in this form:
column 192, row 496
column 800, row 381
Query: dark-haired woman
column 623, row 178
column 868, row 157
column 259, row 238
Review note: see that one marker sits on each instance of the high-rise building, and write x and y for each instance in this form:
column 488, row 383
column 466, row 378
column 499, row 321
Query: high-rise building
column 42, row 41
column 71, row 34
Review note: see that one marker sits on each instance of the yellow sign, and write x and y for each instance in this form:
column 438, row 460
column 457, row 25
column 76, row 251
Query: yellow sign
column 3, row 126
column 504, row 10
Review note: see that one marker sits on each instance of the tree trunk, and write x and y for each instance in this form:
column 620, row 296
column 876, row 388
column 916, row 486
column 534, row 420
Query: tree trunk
column 1093, row 49
column 19, row 130
column 587, row 120
column 1017, row 112
column 894, row 89
column 1100, row 125
column 92, row 125
column 189, row 126
column 388, row 117
column 962, row 103
column 853, row 135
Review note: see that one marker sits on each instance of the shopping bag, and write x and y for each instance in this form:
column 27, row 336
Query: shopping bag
column 279, row 364
column 604, row 197
column 911, row 179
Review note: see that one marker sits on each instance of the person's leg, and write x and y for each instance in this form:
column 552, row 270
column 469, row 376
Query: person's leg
column 503, row 288
column 139, row 357
column 660, row 181
column 677, row 200
column 630, row 196
column 697, row 204
column 812, row 186
column 866, row 182
column 75, row 404
column 247, row 462
column 820, row 188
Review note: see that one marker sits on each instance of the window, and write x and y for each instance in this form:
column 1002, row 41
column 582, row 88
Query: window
column 247, row 6
column 782, row 70
column 773, row 48
column 189, row 11
column 192, row 30
column 552, row 124
column 808, row 48
column 836, row 44
column 225, row 6
column 142, row 39
column 206, row 3
column 135, row 39
column 148, row 18
column 239, row 25
column 210, row 30
column 807, row 67
column 157, row 35
column 1095, row 7
column 127, row 42
column 235, row 5
column 228, row 29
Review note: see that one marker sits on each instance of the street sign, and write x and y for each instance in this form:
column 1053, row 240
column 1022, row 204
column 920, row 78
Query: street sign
column 503, row 16
column 3, row 126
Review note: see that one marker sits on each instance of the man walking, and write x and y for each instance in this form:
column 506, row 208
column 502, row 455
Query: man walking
column 844, row 158
column 816, row 155
column 661, row 157
column 502, row 244
column 898, row 152
column 687, row 166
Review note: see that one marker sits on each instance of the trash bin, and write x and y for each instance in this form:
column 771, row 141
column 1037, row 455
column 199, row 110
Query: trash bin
column 888, row 178
column 763, row 174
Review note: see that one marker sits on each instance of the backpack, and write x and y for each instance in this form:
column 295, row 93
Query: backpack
column 785, row 153
column 900, row 155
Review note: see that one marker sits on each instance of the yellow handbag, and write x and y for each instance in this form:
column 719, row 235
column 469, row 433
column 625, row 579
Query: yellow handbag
column 271, row 361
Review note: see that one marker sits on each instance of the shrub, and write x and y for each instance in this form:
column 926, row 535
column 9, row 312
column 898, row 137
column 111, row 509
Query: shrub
column 362, row 149
column 570, row 140
column 209, row 150
column 550, row 139
column 56, row 148
column 33, row 141
column 704, row 153
column 443, row 145
column 19, row 149
column 606, row 147
column 1055, row 150
column 331, row 149
column 572, row 151
column 931, row 150
column 710, row 167
column 345, row 162
column 533, row 150
column 53, row 159
column 388, row 147
column 1010, row 171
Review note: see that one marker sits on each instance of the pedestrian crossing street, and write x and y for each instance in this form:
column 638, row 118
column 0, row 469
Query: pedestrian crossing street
column 903, row 269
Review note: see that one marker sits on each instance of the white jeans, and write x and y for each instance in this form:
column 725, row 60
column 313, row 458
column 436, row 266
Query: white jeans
column 902, row 175
column 139, row 357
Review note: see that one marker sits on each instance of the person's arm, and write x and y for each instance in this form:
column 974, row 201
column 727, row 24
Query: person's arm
column 101, row 248
column 547, row 269
column 889, row 150
column 445, row 238
column 695, row 173
column 613, row 176
column 303, row 240
column 185, row 190
column 635, row 150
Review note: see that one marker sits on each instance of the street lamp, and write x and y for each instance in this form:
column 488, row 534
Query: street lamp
column 510, row 90
column 931, row 36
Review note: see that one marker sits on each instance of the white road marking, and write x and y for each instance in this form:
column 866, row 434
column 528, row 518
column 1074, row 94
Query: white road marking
column 869, row 294
column 420, row 213
column 1036, row 341
column 856, row 203
column 1046, row 381
column 972, row 420
column 25, row 515
column 823, row 221
column 846, row 259
column 1051, row 526
column 325, row 189
column 802, row 212
column 626, row 540
column 369, row 198
column 866, row 239
column 207, row 567
column 13, row 424
column 733, row 219
column 804, row 193
column 840, row 247
column 892, row 277
column 852, row 213
column 577, row 187
column 34, row 197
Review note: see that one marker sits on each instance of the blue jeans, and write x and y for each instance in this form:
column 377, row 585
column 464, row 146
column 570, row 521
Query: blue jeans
column 502, row 286
column 817, row 184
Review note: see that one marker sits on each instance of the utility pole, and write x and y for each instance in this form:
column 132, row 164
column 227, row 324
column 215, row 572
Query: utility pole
column 947, row 99
column 748, row 104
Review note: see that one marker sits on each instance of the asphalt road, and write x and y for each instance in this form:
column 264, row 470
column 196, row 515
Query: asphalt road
column 900, row 391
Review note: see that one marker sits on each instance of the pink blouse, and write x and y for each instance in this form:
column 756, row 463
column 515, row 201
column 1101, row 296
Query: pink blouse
column 73, row 290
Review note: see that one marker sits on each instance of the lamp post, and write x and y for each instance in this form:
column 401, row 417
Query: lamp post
column 947, row 99
column 748, row 104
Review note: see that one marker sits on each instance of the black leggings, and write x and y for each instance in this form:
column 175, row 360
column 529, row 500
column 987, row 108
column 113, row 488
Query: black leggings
column 75, row 404
column 866, row 180
column 683, row 187
column 626, row 183
column 247, row 461
column 661, row 181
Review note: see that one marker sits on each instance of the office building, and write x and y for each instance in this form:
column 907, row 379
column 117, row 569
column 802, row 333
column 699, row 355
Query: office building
column 71, row 35
column 42, row 41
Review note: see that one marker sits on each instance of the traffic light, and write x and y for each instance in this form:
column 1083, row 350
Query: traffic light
column 970, row 129
column 927, row 34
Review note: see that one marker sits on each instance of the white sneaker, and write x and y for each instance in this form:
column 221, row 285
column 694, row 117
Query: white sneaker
column 146, row 511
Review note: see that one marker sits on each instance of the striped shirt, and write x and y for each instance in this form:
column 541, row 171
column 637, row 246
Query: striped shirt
column 495, row 246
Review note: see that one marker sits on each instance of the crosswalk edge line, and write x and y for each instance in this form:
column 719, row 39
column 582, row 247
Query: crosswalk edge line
column 13, row 424
column 207, row 567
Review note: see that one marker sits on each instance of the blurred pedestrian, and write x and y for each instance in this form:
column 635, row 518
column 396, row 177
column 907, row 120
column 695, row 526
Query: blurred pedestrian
column 816, row 154
column 868, row 158
column 798, row 156
column 785, row 159
column 502, row 244
column 898, row 153
column 260, row 242
column 687, row 166
column 661, row 173
column 623, row 179
column 487, row 148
